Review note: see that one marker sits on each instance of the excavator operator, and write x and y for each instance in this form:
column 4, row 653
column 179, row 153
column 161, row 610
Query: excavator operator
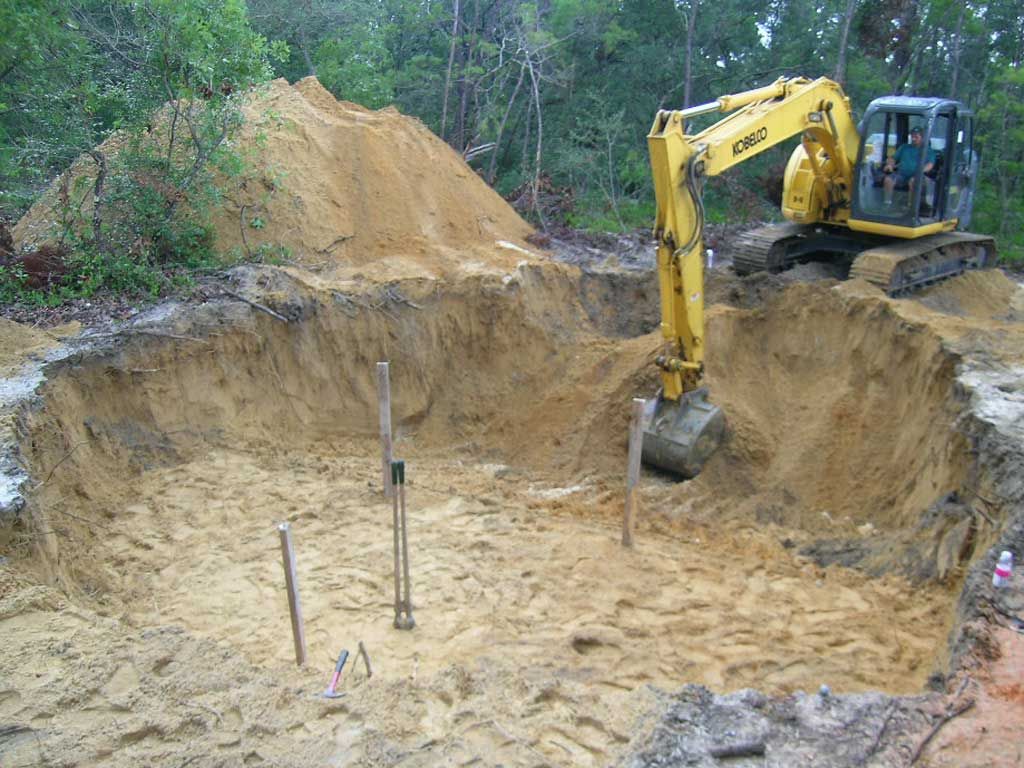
column 901, row 169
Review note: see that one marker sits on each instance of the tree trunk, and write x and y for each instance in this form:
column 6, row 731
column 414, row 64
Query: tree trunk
column 844, row 37
column 448, row 76
column 535, row 81
column 501, row 126
column 466, row 85
column 304, row 38
column 957, row 43
column 97, row 199
column 691, row 27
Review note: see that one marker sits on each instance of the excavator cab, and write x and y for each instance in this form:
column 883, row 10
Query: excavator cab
column 916, row 167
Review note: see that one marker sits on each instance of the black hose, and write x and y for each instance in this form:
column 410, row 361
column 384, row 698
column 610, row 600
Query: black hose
column 696, row 195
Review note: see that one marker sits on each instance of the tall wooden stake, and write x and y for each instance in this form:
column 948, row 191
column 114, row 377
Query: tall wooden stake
column 636, row 439
column 384, row 407
column 292, row 585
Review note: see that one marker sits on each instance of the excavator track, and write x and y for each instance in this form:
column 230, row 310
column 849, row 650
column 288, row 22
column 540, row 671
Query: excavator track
column 903, row 267
column 765, row 249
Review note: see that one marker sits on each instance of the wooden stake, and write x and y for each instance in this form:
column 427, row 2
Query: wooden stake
column 366, row 659
column 636, row 439
column 384, row 409
column 292, row 585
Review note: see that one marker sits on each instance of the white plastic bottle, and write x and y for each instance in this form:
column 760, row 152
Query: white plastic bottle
column 1003, row 571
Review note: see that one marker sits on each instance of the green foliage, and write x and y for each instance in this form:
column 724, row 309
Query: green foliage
column 564, row 89
column 357, row 67
column 164, row 73
column 999, row 207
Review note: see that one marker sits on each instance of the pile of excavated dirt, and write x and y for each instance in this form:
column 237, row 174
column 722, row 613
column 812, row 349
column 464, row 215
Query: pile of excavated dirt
column 332, row 185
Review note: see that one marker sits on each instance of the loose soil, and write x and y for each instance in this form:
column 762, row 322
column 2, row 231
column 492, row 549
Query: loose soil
column 841, row 536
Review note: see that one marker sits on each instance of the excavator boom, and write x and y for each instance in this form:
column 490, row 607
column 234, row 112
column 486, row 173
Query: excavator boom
column 682, row 428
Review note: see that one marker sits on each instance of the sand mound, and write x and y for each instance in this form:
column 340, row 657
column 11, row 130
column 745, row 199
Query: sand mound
column 990, row 295
column 338, row 185
column 345, row 185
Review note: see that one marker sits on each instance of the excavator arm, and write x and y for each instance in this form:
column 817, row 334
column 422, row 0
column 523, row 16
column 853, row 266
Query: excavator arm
column 682, row 429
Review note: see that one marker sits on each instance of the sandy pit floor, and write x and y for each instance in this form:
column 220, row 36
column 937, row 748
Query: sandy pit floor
column 509, row 592
column 145, row 618
column 499, row 573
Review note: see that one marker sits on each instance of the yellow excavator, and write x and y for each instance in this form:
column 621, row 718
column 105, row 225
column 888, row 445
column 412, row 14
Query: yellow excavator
column 892, row 195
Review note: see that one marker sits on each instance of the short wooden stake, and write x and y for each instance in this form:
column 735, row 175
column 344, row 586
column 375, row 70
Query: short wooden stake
column 636, row 439
column 366, row 659
column 292, row 585
column 384, row 409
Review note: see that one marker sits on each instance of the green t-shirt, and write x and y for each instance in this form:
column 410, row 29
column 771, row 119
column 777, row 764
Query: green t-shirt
column 908, row 156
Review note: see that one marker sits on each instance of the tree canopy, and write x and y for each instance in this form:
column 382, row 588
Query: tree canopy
column 549, row 100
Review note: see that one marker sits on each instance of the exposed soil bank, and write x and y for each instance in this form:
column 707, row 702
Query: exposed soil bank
column 162, row 457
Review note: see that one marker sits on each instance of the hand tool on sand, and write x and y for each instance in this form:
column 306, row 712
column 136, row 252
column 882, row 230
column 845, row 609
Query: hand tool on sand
column 403, row 605
column 331, row 693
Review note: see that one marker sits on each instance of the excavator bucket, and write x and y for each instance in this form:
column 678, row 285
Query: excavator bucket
column 680, row 436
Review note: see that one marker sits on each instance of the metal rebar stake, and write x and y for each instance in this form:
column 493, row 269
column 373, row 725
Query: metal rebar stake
column 398, row 560
column 402, row 604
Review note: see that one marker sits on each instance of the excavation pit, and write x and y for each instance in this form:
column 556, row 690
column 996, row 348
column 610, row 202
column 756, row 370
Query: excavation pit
column 818, row 547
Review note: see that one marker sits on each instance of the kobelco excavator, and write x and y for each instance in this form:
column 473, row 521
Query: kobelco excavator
column 893, row 195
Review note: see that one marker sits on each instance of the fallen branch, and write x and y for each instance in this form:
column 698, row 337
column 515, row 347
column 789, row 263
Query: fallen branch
column 335, row 242
column 881, row 731
column 742, row 749
column 393, row 294
column 984, row 514
column 935, row 729
column 158, row 334
column 256, row 305
column 977, row 493
column 10, row 730
column 83, row 519
column 63, row 458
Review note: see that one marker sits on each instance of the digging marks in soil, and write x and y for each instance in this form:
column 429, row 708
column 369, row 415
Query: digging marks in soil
column 538, row 636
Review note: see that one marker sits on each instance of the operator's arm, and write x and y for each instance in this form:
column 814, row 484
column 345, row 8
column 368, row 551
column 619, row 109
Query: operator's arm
column 897, row 160
column 929, row 161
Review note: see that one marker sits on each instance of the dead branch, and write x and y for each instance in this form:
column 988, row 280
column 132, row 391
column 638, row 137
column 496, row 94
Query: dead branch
column 158, row 334
column 881, row 731
column 984, row 514
column 741, row 749
column 85, row 520
column 935, row 729
column 256, row 305
column 62, row 459
column 337, row 241
column 393, row 295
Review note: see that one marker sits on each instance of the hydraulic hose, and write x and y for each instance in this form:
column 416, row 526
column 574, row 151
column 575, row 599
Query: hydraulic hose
column 696, row 195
